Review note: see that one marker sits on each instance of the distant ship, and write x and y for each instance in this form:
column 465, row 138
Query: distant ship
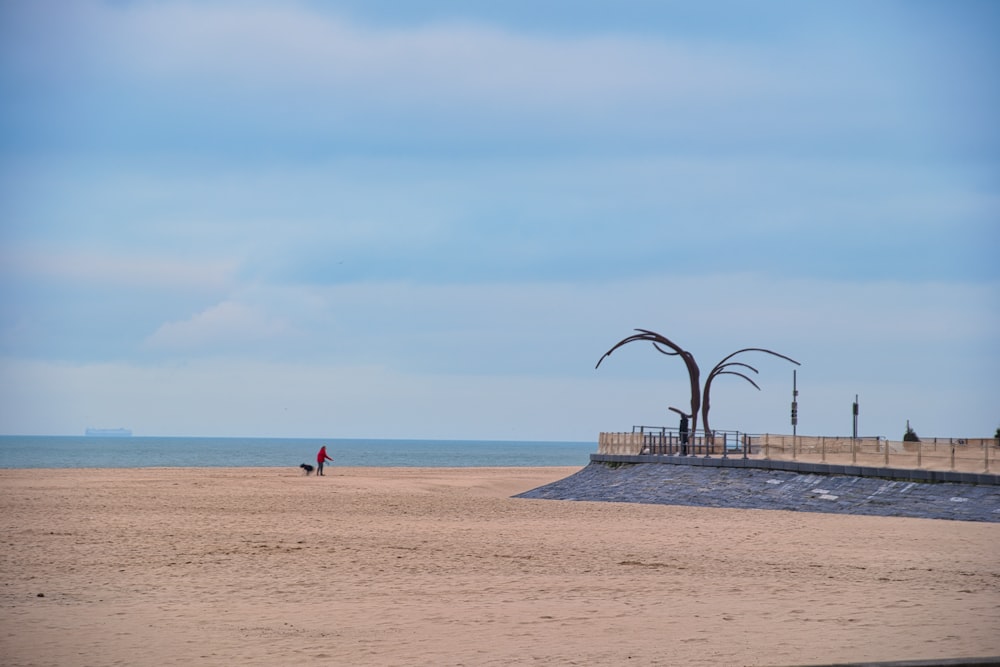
column 110, row 432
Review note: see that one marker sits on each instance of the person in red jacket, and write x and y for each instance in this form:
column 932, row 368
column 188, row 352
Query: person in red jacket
column 321, row 457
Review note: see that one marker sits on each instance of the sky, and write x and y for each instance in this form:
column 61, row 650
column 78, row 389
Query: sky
column 430, row 219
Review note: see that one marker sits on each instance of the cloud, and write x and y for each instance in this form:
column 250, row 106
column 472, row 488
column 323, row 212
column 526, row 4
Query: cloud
column 227, row 326
column 296, row 77
column 35, row 262
column 866, row 329
column 282, row 47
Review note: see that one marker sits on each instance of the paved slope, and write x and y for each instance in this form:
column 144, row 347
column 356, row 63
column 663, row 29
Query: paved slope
column 749, row 488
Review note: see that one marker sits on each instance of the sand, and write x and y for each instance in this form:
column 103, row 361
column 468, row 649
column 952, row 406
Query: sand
column 391, row 566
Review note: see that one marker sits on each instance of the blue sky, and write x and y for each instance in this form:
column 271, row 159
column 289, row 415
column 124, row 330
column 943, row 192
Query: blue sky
column 430, row 219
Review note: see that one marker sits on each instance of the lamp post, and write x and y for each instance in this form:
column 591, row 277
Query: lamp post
column 795, row 406
column 854, row 432
column 854, row 410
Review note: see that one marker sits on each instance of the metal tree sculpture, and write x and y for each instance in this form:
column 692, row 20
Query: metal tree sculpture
column 700, row 398
column 657, row 340
column 721, row 369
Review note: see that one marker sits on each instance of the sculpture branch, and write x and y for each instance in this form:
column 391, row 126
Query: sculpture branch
column 741, row 375
column 719, row 370
column 658, row 340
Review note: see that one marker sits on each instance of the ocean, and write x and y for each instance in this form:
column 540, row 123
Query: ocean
column 194, row 452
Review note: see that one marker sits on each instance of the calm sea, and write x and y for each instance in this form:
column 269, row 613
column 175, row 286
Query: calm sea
column 146, row 452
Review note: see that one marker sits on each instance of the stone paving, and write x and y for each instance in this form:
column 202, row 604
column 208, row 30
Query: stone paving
column 748, row 488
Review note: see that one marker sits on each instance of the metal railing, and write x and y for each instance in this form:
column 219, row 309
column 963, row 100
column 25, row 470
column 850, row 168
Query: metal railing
column 667, row 441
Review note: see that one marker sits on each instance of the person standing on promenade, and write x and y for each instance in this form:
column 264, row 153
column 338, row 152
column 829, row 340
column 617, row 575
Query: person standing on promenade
column 683, row 430
column 321, row 457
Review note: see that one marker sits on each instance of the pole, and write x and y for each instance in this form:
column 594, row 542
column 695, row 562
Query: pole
column 855, row 411
column 795, row 405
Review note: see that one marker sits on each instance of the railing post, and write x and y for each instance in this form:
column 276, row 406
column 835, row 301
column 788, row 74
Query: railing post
column 887, row 453
column 953, row 456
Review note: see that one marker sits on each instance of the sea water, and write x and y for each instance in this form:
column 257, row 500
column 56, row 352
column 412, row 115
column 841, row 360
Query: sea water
column 148, row 452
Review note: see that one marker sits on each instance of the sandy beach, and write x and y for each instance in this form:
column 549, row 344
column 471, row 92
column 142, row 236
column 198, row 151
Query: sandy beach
column 407, row 566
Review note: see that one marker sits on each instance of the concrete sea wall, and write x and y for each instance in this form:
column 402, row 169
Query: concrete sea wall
column 779, row 485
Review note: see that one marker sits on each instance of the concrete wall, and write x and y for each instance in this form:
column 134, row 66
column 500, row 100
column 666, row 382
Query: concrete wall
column 802, row 467
column 620, row 443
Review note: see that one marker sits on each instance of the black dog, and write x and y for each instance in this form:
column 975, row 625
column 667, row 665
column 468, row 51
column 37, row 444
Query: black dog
column 308, row 468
